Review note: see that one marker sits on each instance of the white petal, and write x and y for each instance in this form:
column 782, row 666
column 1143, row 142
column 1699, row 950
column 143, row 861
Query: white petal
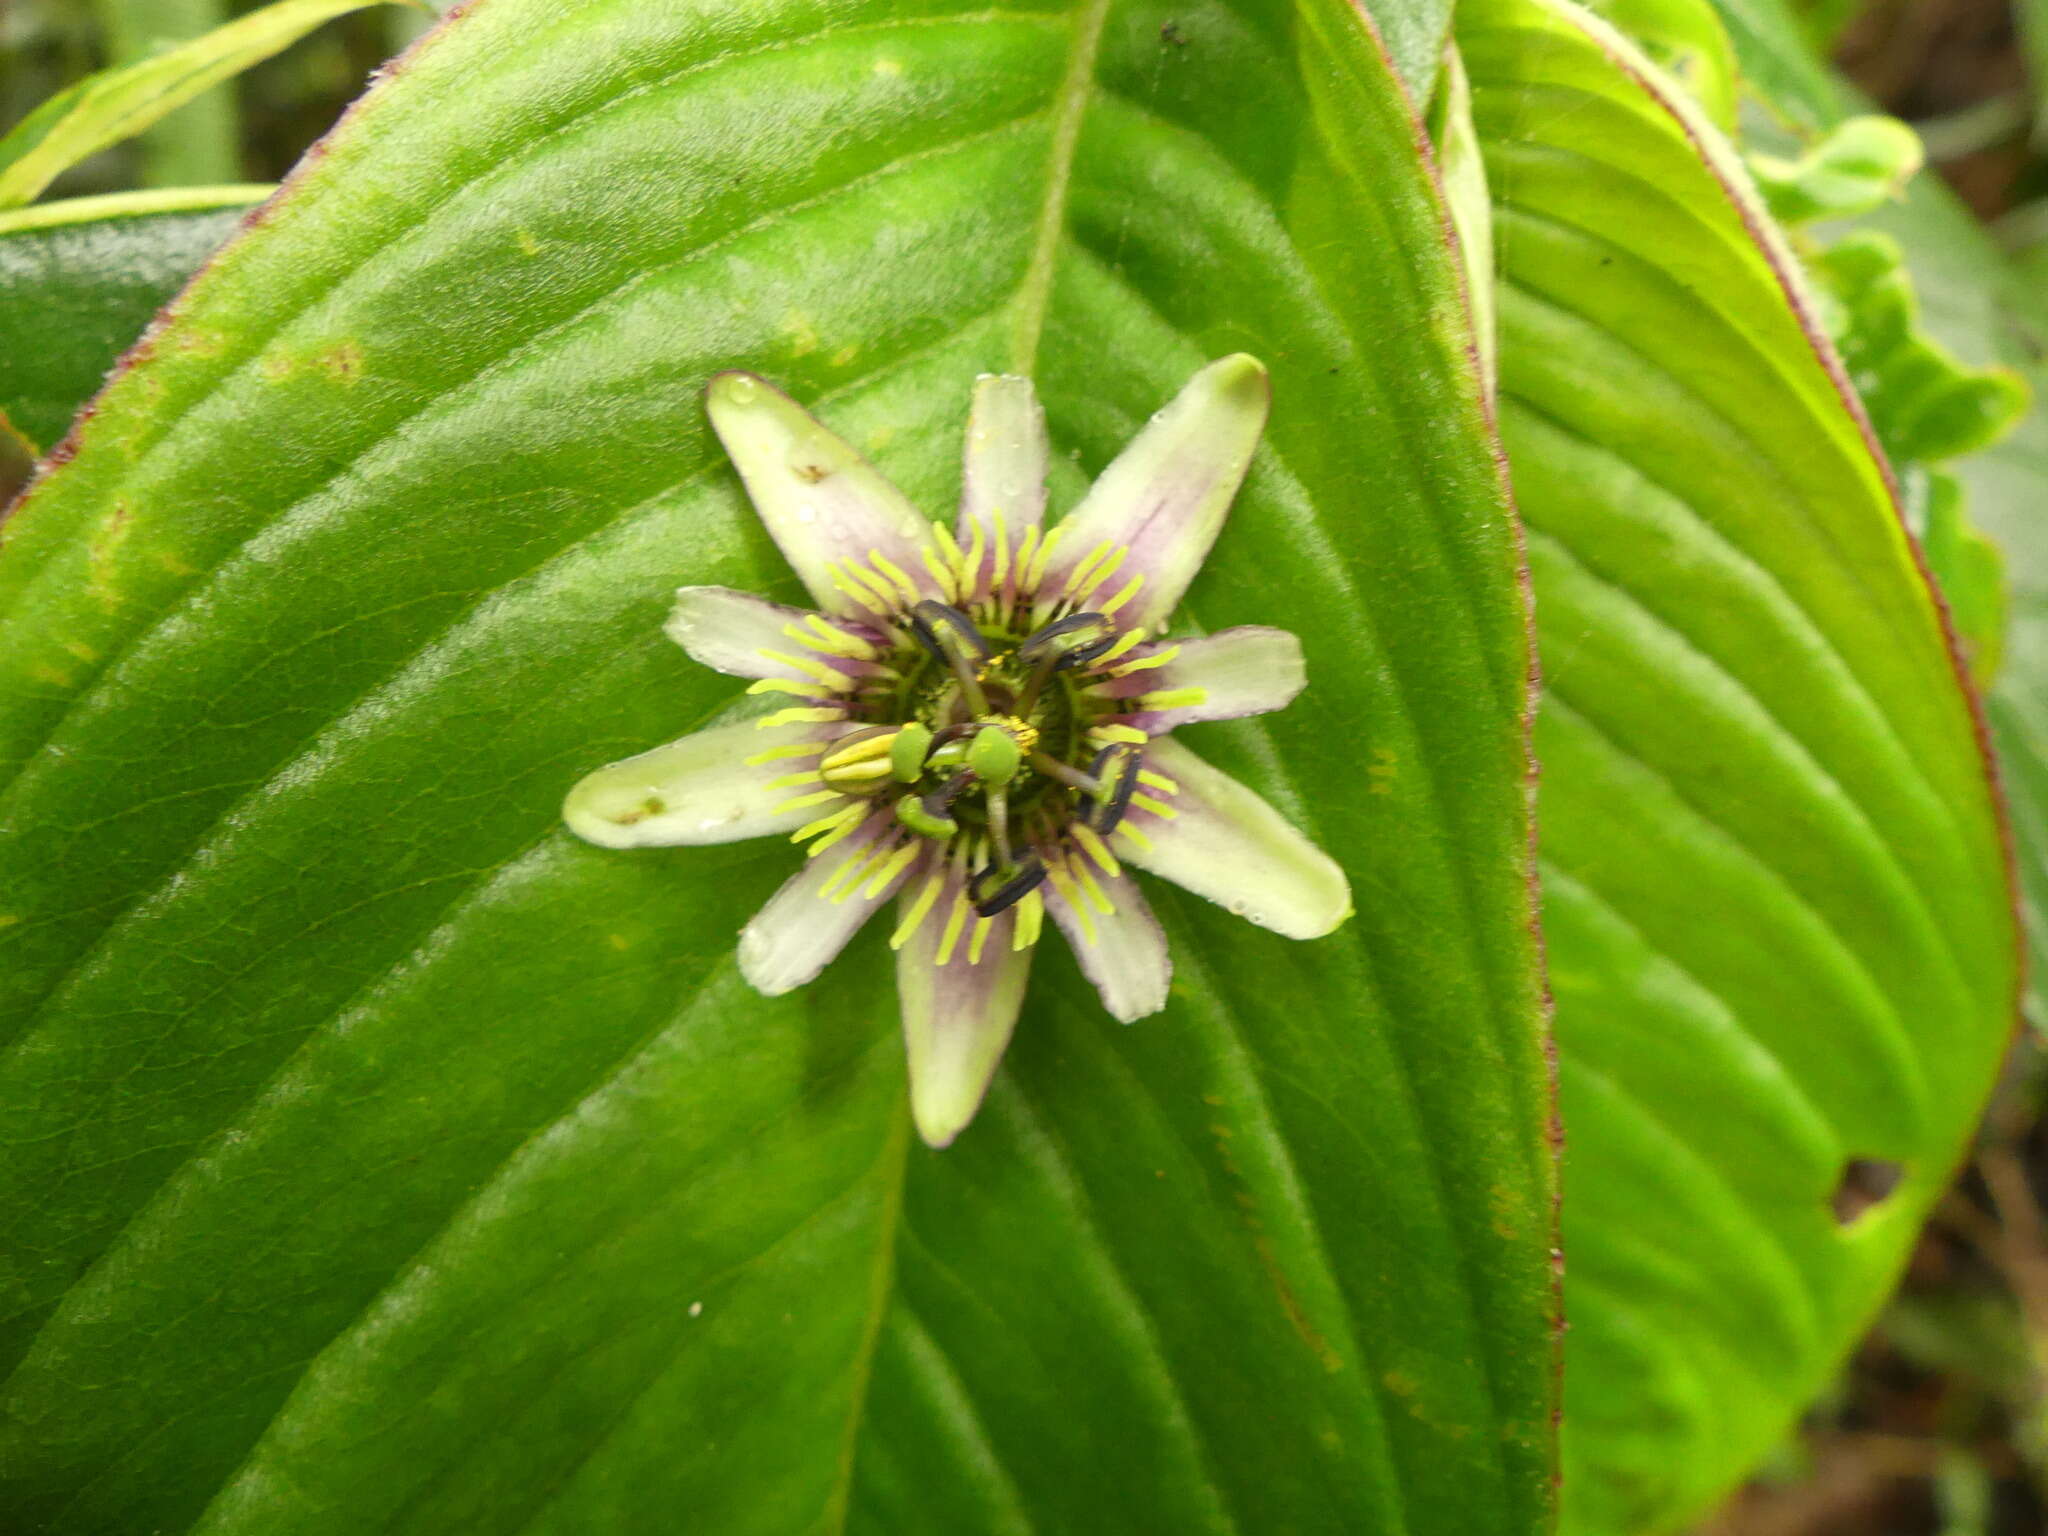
column 804, row 925
column 957, row 1017
column 732, row 632
column 697, row 790
column 1166, row 495
column 1123, row 952
column 1006, row 456
column 1248, row 670
column 1226, row 843
column 821, row 501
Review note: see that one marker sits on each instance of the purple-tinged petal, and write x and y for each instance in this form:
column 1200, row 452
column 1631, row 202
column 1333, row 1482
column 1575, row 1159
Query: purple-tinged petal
column 807, row 923
column 957, row 1017
column 742, row 635
column 821, row 501
column 1248, row 670
column 700, row 789
column 1165, row 496
column 1224, row 842
column 1123, row 951
column 1005, row 459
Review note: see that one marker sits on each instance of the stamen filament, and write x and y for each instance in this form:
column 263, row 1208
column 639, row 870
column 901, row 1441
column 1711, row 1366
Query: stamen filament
column 1066, row 773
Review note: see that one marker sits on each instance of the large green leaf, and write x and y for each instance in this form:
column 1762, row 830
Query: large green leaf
column 79, row 281
column 380, row 1158
column 1774, row 895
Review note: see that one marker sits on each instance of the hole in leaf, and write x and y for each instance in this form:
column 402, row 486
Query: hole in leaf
column 1865, row 1182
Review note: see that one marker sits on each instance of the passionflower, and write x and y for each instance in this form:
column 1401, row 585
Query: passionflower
column 975, row 721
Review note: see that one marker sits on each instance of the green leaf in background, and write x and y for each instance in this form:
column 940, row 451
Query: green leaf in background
column 80, row 280
column 1780, row 64
column 378, row 1157
column 195, row 145
column 1855, row 166
column 1924, row 404
column 1975, row 304
column 1774, row 895
column 118, row 103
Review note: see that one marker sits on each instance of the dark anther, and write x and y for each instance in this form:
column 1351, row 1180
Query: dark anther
column 948, row 633
column 1116, row 769
column 1075, row 640
column 998, row 887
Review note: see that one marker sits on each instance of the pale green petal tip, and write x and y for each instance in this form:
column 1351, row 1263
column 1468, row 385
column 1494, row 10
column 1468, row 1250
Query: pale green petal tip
column 604, row 809
column 1238, row 383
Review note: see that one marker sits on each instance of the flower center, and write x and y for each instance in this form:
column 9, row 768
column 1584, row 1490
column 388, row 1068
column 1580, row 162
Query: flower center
column 983, row 743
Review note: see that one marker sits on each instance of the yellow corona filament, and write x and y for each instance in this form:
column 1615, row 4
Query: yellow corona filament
column 1063, row 882
column 1103, row 735
column 1030, row 918
column 847, row 875
column 1103, row 572
column 955, row 921
column 790, row 685
column 979, row 941
column 914, row 914
column 846, row 828
column 954, row 559
column 876, row 583
column 1173, row 698
column 1043, row 558
column 1091, row 841
column 1027, row 549
column 1158, row 781
column 1124, row 642
column 843, row 817
column 792, row 780
column 895, row 573
column 1080, row 572
column 1158, row 808
column 948, row 587
column 787, row 749
column 1159, row 658
column 831, row 677
column 970, row 565
column 1093, row 888
column 817, row 634
column 1138, row 840
column 846, row 577
column 800, row 716
column 1130, row 590
column 896, row 863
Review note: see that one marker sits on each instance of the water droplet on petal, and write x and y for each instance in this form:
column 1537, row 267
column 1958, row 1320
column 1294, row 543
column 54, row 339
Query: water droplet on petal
column 739, row 389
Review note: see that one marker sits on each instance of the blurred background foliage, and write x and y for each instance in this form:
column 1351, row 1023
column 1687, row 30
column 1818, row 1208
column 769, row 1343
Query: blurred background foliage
column 1939, row 1427
column 251, row 130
